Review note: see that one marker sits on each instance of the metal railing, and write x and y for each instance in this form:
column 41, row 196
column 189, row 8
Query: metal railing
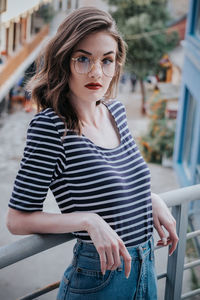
column 177, row 199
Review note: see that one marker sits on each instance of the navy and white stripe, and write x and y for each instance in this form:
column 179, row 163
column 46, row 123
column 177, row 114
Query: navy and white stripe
column 114, row 183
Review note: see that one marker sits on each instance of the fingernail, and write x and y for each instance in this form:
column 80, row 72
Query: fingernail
column 164, row 240
column 127, row 276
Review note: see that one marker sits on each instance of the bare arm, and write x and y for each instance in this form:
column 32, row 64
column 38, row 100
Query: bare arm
column 108, row 244
column 19, row 222
column 163, row 218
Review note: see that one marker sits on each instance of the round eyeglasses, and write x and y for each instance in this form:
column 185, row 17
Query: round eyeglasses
column 84, row 64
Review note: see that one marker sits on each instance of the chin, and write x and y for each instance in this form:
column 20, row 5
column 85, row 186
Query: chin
column 95, row 96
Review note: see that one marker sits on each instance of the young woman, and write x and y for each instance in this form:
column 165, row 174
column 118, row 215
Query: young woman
column 80, row 147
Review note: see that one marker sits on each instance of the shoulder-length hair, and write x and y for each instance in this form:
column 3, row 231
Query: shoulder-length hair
column 50, row 86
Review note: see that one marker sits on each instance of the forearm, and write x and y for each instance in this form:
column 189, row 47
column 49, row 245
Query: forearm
column 108, row 244
column 22, row 223
column 163, row 218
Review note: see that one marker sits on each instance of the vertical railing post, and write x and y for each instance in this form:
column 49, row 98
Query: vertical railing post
column 175, row 265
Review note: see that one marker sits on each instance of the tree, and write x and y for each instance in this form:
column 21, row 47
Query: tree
column 143, row 24
column 158, row 142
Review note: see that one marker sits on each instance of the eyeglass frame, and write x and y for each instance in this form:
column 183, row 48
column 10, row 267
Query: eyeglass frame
column 76, row 58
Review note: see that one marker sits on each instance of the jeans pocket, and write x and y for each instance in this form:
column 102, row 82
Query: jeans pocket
column 87, row 277
column 64, row 284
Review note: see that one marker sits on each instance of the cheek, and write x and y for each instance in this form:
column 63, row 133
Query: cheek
column 107, row 83
column 74, row 82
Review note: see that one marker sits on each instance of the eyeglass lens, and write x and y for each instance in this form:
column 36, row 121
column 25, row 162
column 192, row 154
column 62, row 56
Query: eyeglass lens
column 85, row 65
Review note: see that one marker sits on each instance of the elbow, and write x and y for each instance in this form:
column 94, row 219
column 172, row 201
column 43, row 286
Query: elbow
column 10, row 223
column 14, row 222
column 10, row 226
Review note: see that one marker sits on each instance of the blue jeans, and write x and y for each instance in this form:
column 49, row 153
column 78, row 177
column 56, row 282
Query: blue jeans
column 83, row 279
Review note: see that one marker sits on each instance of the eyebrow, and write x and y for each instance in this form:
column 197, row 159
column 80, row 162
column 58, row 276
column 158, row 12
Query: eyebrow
column 88, row 53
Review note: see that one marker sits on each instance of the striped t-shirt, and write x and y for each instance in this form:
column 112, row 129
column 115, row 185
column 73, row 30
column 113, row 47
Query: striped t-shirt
column 114, row 183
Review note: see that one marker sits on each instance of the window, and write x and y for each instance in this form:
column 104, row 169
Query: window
column 197, row 175
column 3, row 5
column 197, row 21
column 69, row 4
column 188, row 133
column 197, row 170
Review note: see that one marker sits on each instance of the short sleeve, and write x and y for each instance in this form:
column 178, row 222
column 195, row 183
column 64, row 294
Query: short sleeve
column 42, row 162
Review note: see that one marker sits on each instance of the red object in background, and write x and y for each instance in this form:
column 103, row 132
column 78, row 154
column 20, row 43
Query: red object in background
column 3, row 52
column 171, row 113
column 179, row 26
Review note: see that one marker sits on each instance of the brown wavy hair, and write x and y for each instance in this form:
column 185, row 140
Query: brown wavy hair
column 49, row 87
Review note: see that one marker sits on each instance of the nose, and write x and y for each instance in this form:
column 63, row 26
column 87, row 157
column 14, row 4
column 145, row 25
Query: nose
column 96, row 70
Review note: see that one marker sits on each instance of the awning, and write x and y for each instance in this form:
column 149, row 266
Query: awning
column 20, row 8
column 14, row 78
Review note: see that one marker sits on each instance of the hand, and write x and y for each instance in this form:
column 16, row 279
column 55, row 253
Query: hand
column 163, row 217
column 108, row 245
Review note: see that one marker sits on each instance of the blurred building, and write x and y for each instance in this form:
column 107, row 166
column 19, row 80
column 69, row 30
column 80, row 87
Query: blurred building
column 171, row 64
column 24, row 29
column 187, row 147
column 177, row 8
column 187, row 139
column 173, row 61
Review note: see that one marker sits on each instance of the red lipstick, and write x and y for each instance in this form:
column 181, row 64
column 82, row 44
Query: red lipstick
column 93, row 86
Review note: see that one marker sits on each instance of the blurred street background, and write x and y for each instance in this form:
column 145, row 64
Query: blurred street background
column 152, row 104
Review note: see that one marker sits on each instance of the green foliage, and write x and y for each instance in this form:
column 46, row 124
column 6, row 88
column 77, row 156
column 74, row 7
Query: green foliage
column 159, row 140
column 143, row 24
column 46, row 12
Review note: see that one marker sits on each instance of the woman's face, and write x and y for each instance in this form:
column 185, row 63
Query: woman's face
column 92, row 65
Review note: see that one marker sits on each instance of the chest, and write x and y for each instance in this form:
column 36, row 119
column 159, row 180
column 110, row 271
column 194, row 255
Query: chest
column 106, row 135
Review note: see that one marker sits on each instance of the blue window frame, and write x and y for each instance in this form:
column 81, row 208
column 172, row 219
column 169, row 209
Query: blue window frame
column 197, row 21
column 197, row 169
column 193, row 29
column 188, row 138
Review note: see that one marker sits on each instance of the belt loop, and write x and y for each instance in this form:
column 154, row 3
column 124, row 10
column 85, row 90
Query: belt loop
column 151, row 248
column 76, row 251
column 140, row 253
column 77, row 247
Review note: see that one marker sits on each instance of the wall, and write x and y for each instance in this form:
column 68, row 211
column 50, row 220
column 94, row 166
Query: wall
column 187, row 140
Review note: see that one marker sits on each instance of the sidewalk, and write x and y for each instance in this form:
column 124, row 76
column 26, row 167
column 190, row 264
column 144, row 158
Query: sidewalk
column 163, row 179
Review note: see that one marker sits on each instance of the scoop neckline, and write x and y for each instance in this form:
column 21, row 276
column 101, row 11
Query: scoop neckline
column 100, row 147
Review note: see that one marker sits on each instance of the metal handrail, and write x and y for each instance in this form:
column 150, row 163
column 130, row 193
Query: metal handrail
column 177, row 199
column 182, row 195
column 29, row 246
column 41, row 291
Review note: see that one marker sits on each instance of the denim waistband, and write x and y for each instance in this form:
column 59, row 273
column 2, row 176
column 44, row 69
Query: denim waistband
column 88, row 249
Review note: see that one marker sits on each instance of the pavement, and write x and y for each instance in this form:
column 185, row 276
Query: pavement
column 48, row 267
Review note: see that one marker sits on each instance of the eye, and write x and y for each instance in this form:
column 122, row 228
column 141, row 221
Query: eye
column 83, row 59
column 107, row 61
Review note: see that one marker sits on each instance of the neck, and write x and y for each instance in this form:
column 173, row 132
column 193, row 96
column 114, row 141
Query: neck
column 89, row 113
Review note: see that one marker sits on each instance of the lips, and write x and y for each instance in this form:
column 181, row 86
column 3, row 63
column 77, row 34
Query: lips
column 93, row 86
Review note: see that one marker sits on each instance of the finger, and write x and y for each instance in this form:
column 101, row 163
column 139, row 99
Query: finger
column 164, row 242
column 174, row 243
column 103, row 261
column 161, row 233
column 110, row 259
column 127, row 261
column 117, row 260
column 172, row 239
